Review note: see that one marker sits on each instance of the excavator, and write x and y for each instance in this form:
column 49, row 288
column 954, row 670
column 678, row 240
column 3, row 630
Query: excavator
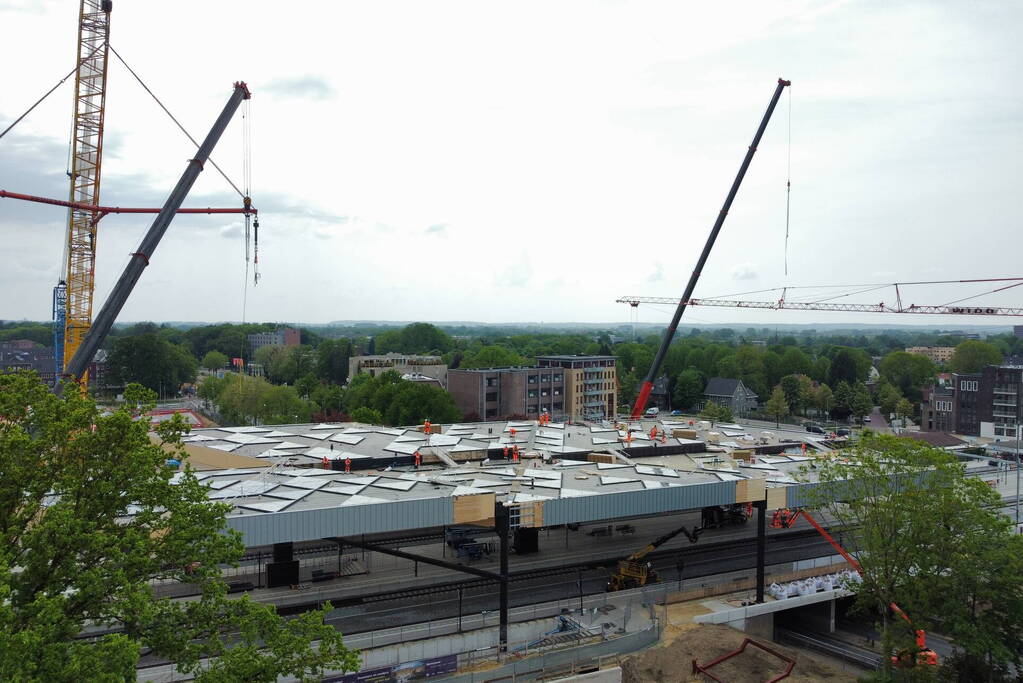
column 633, row 572
column 924, row 656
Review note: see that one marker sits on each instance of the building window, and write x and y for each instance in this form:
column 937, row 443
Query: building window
column 968, row 385
column 557, row 378
column 532, row 379
column 492, row 396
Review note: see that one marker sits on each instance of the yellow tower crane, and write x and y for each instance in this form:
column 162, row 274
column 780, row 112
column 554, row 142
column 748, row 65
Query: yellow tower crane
column 73, row 296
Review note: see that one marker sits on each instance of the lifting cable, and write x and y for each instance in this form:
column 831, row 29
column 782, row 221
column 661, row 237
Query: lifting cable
column 50, row 91
column 182, row 128
column 788, row 187
column 246, row 180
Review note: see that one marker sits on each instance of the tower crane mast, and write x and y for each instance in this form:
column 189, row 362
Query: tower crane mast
column 73, row 295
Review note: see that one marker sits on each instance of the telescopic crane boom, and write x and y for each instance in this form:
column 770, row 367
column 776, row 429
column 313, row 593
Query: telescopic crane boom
column 633, row 572
column 655, row 367
column 78, row 363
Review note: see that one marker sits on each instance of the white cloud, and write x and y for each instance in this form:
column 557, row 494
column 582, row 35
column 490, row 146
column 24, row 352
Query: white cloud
column 603, row 152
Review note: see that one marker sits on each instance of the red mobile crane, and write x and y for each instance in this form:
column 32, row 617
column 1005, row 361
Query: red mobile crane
column 784, row 518
column 648, row 383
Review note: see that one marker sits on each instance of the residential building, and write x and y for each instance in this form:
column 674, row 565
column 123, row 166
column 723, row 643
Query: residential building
column 967, row 390
column 731, row 393
column 495, row 393
column 404, row 364
column 937, row 410
column 22, row 354
column 282, row 336
column 985, row 403
column 591, row 385
column 937, row 354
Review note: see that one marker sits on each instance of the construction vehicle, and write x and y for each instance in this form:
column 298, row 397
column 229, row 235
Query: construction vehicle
column 717, row 516
column 633, row 572
column 922, row 655
column 655, row 368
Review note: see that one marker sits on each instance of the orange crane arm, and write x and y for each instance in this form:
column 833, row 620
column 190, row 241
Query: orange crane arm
column 921, row 636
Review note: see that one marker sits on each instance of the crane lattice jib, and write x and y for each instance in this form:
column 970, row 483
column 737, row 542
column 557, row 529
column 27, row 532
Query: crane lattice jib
column 823, row 306
column 86, row 162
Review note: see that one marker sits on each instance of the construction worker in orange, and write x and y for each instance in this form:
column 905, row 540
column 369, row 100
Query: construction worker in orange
column 348, row 465
column 515, row 453
column 326, row 463
column 776, row 520
column 417, row 458
column 427, row 426
column 505, row 452
column 804, row 447
column 664, row 437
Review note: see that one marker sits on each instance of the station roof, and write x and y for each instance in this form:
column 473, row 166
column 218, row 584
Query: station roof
column 292, row 497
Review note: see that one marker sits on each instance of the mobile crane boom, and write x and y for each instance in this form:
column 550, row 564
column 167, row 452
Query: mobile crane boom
column 78, row 363
column 633, row 572
column 655, row 367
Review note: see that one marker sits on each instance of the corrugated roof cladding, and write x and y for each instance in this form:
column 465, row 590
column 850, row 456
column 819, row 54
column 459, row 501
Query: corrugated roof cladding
column 629, row 503
column 307, row 525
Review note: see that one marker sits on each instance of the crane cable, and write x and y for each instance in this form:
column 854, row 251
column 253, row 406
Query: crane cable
column 247, row 181
column 788, row 187
column 176, row 122
column 50, row 91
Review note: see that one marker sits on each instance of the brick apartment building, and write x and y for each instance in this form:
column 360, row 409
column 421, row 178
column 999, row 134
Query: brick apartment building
column 496, row 393
column 985, row 403
column 565, row 387
column 429, row 366
column 282, row 336
column 941, row 355
column 591, row 385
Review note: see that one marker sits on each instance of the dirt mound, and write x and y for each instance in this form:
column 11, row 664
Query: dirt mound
column 672, row 661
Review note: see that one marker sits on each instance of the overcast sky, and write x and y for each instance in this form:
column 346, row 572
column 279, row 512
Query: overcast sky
column 530, row 161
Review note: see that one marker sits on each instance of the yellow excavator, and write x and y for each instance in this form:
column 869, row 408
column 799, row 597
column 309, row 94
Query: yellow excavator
column 633, row 572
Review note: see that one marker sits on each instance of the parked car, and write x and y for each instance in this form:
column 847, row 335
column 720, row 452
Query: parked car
column 843, row 431
column 652, row 412
column 815, row 429
column 676, row 413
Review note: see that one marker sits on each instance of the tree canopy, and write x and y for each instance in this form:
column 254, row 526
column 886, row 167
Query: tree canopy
column 931, row 540
column 89, row 517
column 152, row 361
column 973, row 356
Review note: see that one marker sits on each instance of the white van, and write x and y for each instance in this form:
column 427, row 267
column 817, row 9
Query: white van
column 652, row 412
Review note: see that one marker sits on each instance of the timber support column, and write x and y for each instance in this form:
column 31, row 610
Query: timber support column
column 761, row 508
column 501, row 522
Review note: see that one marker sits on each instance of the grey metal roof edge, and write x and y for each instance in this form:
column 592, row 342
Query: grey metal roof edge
column 343, row 520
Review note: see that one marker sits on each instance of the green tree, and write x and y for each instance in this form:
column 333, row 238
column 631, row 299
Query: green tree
column 888, row 398
column 903, row 409
column 688, row 389
column 152, row 361
column 414, row 338
column 492, row 357
column 973, row 356
column 823, row 398
column 214, row 360
column 332, row 360
column 714, row 412
column 367, row 416
column 841, row 406
column 929, row 539
column 909, row 372
column 90, row 518
column 859, row 402
column 776, row 406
